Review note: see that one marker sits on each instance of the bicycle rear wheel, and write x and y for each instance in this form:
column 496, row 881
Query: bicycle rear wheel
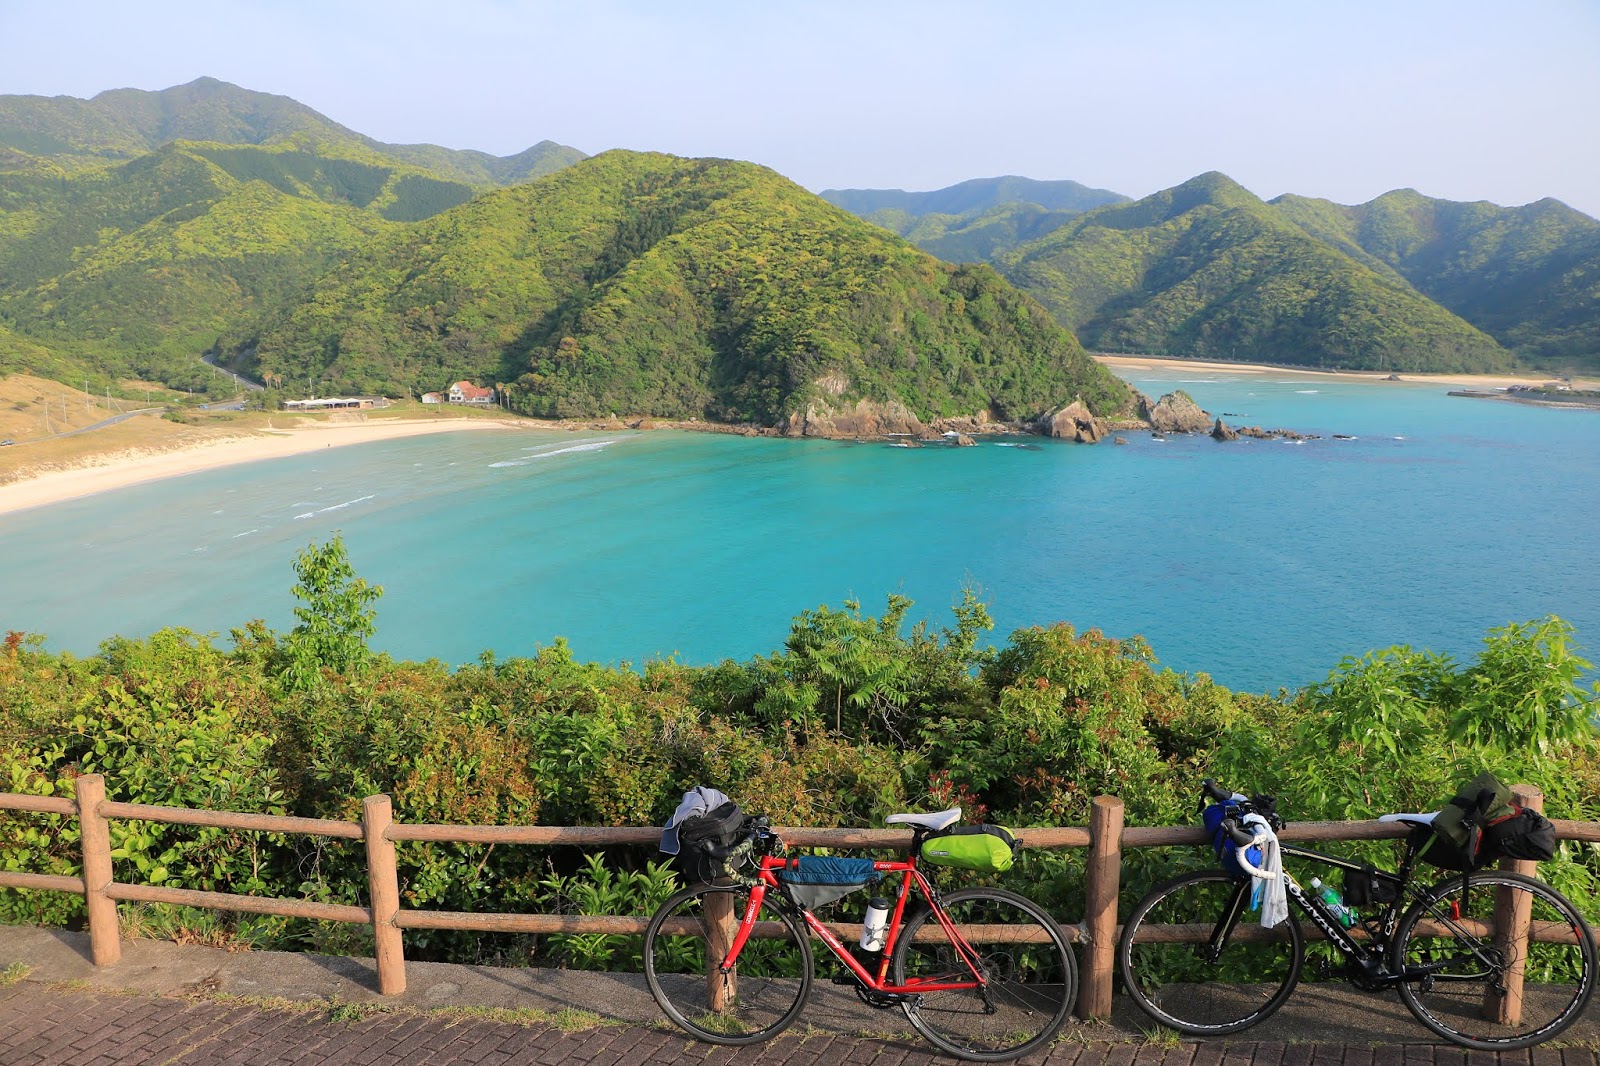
column 771, row 982
column 1030, row 975
column 1193, row 985
column 1471, row 971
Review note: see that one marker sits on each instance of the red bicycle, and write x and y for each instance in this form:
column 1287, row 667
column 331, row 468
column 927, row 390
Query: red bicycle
column 982, row 973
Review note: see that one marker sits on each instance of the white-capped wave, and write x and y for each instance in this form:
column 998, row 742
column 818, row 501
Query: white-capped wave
column 540, row 451
column 336, row 507
column 246, row 533
column 1307, row 392
column 545, row 451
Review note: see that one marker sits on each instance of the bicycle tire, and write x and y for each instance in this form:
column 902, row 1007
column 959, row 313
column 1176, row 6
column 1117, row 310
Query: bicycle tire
column 768, row 990
column 1176, row 984
column 1464, row 1000
column 1032, row 977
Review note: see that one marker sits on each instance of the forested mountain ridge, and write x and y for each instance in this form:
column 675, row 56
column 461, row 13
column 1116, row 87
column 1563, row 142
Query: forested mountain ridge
column 652, row 284
column 125, row 123
column 1208, row 269
column 974, row 221
column 974, row 197
column 134, row 269
column 1529, row 276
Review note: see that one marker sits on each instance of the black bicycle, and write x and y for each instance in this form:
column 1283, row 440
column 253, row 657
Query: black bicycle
column 1487, row 959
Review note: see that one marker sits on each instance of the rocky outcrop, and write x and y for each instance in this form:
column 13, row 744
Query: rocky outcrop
column 864, row 421
column 1221, row 431
column 1175, row 412
column 1073, row 422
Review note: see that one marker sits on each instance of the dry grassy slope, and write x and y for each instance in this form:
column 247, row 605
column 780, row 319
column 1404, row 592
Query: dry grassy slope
column 25, row 401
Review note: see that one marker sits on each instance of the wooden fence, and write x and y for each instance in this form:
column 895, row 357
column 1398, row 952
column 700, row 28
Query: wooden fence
column 1106, row 837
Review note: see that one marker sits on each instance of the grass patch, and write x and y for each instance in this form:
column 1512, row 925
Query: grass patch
column 14, row 973
column 339, row 1011
column 567, row 1020
column 1161, row 1037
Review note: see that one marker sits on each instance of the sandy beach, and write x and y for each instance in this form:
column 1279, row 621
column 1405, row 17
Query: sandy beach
column 1479, row 381
column 117, row 470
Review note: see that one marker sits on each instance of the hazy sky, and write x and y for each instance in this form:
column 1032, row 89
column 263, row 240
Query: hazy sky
column 1460, row 99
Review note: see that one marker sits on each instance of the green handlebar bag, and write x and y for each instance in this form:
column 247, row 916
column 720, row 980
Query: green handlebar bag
column 985, row 849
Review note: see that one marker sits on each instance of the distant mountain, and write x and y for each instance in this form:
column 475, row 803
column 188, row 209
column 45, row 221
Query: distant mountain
column 1528, row 276
column 975, row 221
column 124, row 123
column 650, row 284
column 974, row 197
column 1207, row 269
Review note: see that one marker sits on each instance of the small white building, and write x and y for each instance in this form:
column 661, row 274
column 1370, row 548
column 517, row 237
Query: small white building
column 336, row 403
column 467, row 392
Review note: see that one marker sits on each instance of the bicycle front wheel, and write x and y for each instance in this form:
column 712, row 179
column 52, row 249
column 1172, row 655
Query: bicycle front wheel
column 1194, row 958
column 686, row 941
column 1028, row 973
column 1475, row 981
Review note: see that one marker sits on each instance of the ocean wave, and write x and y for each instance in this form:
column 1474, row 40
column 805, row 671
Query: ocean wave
column 544, row 451
column 336, row 507
column 1307, row 392
column 246, row 533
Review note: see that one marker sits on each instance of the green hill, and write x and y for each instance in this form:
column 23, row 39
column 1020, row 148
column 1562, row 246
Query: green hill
column 139, row 267
column 125, row 123
column 1206, row 269
column 980, row 238
column 1528, row 276
column 975, row 221
column 681, row 288
column 970, row 198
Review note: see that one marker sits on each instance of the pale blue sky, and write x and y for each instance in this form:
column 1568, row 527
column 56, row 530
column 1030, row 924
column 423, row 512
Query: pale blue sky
column 1462, row 99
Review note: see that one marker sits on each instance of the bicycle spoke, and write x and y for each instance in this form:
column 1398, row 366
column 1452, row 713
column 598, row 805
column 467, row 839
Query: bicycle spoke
column 759, row 1000
column 1480, row 984
column 1028, row 974
column 1184, row 966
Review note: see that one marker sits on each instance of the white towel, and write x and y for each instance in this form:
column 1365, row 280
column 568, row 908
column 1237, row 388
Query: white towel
column 1269, row 893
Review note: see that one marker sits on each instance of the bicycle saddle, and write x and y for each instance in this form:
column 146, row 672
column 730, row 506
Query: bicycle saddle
column 1410, row 819
column 930, row 822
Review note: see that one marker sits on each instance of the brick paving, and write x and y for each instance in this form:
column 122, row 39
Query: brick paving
column 51, row 1025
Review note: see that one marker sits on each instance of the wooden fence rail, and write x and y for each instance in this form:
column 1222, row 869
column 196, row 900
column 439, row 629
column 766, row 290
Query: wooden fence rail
column 1106, row 838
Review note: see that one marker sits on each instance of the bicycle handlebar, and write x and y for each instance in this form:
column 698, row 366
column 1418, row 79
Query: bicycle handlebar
column 1215, row 791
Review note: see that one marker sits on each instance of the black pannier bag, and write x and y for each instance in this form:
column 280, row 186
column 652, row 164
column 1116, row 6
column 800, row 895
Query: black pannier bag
column 1524, row 835
column 1364, row 887
column 1480, row 824
column 723, row 827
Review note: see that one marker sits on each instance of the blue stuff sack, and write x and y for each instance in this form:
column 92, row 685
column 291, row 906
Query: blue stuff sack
column 814, row 881
column 1227, row 851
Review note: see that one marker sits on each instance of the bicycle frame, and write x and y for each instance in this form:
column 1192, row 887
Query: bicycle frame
column 767, row 881
column 1372, row 962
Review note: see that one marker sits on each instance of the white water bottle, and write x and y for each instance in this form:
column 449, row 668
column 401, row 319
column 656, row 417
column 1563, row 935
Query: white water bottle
column 875, row 926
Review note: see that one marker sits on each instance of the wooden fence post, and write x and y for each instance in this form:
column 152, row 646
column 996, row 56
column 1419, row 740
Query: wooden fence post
column 105, row 945
column 1103, row 879
column 1512, row 911
column 722, row 989
column 383, row 889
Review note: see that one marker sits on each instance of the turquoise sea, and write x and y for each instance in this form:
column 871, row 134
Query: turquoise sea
column 1259, row 563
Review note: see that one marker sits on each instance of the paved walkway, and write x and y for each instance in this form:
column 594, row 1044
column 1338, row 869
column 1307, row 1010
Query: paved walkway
column 165, row 1005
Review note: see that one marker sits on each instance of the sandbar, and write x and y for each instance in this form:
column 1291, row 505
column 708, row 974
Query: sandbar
column 1481, row 381
column 115, row 470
